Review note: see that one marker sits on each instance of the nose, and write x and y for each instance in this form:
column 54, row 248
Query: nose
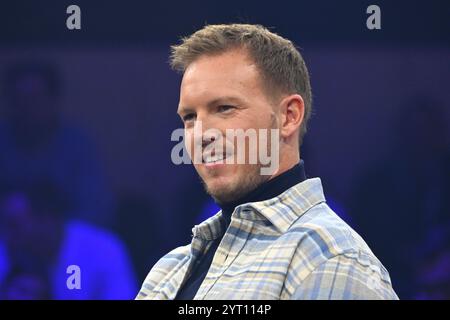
column 208, row 138
column 205, row 131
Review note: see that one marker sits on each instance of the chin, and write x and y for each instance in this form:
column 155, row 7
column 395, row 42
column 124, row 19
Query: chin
column 229, row 185
column 221, row 189
column 219, row 185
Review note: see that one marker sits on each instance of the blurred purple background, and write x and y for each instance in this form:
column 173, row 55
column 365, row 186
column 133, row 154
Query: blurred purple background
column 86, row 118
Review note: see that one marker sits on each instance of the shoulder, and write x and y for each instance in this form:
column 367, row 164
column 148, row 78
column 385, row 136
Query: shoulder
column 173, row 257
column 323, row 230
column 169, row 263
column 86, row 235
column 327, row 243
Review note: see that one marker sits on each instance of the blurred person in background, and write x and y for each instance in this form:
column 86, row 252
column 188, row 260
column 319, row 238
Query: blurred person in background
column 136, row 217
column 26, row 283
column 407, row 195
column 36, row 143
column 432, row 272
column 36, row 236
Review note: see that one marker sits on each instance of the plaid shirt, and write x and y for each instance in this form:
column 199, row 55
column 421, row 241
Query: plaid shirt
column 290, row 247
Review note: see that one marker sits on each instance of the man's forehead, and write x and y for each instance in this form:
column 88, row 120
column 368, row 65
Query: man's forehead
column 230, row 65
column 209, row 80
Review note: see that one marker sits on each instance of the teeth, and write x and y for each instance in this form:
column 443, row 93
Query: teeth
column 209, row 158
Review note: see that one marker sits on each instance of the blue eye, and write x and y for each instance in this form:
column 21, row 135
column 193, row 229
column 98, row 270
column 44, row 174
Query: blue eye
column 188, row 117
column 225, row 108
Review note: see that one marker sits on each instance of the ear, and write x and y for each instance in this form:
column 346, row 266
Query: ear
column 292, row 112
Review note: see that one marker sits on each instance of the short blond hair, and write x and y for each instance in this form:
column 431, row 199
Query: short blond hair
column 278, row 60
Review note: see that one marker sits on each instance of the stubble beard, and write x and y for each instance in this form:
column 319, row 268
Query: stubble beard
column 239, row 188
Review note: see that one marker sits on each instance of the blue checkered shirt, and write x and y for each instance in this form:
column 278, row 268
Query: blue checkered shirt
column 292, row 246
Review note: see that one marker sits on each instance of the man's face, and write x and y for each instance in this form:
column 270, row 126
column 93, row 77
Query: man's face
column 225, row 92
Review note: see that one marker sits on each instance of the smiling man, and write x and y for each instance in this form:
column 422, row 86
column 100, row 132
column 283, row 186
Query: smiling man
column 274, row 237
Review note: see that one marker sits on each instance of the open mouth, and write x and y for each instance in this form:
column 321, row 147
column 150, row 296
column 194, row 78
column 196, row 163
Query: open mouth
column 214, row 158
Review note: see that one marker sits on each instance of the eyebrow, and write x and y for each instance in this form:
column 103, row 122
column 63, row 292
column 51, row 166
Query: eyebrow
column 210, row 104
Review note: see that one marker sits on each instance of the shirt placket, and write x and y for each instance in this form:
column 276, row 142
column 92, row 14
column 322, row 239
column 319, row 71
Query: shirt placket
column 233, row 245
column 174, row 281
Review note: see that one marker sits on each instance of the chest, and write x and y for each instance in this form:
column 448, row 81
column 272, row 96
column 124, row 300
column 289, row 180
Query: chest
column 252, row 266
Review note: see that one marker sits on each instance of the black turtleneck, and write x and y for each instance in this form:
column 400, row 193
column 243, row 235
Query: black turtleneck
column 268, row 190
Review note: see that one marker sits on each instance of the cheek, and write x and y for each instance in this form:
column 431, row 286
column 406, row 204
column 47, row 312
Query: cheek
column 189, row 142
column 258, row 118
column 243, row 121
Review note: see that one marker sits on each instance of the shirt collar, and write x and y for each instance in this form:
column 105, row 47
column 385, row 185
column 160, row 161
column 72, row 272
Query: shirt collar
column 281, row 211
column 269, row 189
